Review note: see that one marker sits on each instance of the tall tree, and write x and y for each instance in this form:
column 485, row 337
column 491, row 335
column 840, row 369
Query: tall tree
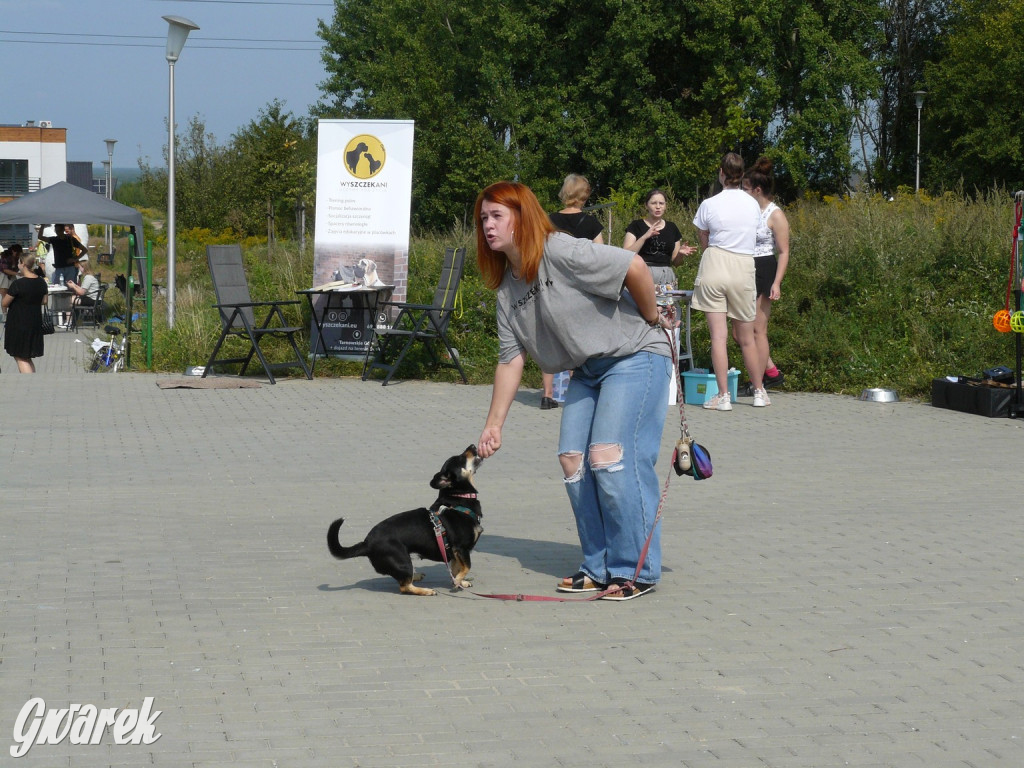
column 421, row 60
column 273, row 161
column 633, row 93
column 909, row 37
column 974, row 131
column 199, row 184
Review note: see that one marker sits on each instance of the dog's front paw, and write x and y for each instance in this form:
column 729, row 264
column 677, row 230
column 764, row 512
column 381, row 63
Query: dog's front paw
column 466, row 584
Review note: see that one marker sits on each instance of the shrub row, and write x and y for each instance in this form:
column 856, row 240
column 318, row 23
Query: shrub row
column 879, row 293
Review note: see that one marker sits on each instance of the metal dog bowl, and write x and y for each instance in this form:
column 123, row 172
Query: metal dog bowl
column 877, row 395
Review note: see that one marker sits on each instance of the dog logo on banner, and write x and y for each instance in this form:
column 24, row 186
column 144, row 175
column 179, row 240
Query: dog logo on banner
column 364, row 156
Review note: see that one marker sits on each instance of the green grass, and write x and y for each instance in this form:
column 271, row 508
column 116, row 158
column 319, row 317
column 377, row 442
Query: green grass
column 878, row 294
column 884, row 293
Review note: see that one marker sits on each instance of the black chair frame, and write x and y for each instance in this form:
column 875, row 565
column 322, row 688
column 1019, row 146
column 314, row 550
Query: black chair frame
column 92, row 313
column 238, row 318
column 423, row 323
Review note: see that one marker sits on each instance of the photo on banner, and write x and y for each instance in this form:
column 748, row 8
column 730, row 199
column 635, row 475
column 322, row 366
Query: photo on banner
column 361, row 240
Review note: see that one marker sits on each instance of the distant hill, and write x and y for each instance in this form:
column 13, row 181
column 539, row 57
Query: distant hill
column 125, row 175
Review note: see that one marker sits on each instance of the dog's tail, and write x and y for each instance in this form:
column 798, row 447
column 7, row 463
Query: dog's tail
column 340, row 552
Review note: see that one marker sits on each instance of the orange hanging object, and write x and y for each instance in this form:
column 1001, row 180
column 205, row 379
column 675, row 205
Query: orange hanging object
column 1017, row 322
column 1001, row 321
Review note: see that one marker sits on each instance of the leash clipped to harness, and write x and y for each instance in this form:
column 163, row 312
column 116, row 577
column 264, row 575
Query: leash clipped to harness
column 442, row 541
column 442, row 535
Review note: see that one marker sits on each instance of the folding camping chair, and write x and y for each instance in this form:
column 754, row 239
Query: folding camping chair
column 237, row 316
column 92, row 314
column 425, row 323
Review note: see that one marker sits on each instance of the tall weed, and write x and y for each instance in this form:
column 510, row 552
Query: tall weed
column 879, row 292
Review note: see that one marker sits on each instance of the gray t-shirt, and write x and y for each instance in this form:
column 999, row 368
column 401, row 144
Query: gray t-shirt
column 91, row 286
column 575, row 310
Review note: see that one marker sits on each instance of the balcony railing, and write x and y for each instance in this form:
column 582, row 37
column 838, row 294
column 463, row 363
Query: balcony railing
column 18, row 187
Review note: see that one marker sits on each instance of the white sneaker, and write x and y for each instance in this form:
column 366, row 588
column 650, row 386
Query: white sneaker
column 761, row 398
column 719, row 402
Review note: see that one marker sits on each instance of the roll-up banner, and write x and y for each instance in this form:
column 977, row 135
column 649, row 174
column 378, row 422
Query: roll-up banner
column 363, row 200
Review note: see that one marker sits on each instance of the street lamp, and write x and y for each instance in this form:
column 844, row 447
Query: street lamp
column 177, row 33
column 919, row 100
column 110, row 192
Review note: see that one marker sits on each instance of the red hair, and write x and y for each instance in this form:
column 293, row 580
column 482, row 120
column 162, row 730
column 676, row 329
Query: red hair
column 532, row 228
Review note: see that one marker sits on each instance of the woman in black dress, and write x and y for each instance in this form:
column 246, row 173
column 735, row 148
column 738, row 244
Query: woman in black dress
column 23, row 337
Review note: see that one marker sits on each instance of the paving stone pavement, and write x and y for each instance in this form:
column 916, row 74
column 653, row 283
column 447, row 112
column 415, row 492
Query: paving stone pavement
column 845, row 591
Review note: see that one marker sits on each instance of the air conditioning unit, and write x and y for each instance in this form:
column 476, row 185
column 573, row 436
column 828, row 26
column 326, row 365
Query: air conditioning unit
column 46, row 124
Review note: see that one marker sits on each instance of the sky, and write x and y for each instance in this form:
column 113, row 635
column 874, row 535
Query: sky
column 99, row 69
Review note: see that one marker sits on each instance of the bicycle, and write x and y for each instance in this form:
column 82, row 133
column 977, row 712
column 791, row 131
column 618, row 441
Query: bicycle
column 108, row 355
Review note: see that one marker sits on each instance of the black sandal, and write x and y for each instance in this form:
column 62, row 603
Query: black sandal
column 579, row 582
column 623, row 590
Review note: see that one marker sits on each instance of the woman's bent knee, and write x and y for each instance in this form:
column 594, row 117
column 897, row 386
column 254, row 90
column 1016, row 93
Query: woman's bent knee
column 605, row 455
column 572, row 465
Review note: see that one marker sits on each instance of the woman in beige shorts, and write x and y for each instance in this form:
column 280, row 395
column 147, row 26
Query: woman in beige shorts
column 725, row 287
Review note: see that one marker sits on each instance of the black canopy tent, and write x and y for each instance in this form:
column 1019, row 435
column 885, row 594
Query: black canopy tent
column 68, row 204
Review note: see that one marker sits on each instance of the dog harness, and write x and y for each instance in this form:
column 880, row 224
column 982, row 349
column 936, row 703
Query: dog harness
column 442, row 534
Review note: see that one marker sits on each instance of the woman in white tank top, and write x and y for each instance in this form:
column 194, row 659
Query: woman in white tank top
column 771, row 258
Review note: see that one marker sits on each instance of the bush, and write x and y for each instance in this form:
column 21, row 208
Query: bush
column 879, row 293
column 892, row 293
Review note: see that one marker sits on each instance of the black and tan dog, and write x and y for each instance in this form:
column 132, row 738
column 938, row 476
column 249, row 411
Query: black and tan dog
column 391, row 543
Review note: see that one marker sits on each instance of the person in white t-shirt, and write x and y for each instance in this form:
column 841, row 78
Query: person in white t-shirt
column 725, row 287
column 86, row 290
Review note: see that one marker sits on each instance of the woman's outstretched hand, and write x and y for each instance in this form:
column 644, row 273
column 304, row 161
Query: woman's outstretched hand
column 490, row 442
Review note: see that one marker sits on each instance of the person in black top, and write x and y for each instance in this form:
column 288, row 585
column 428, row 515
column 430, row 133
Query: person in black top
column 65, row 252
column 657, row 240
column 573, row 221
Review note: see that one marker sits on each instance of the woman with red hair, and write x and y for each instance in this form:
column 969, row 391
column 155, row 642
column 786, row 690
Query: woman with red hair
column 561, row 301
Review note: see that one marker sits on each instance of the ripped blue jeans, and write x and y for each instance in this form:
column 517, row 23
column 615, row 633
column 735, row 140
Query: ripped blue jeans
column 612, row 421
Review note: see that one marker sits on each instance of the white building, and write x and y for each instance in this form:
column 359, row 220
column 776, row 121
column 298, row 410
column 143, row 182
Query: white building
column 32, row 156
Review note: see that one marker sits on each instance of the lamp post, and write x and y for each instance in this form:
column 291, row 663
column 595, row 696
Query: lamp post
column 110, row 192
column 919, row 101
column 177, row 32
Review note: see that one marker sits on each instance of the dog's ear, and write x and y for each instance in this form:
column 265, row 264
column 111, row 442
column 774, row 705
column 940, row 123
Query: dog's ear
column 441, row 480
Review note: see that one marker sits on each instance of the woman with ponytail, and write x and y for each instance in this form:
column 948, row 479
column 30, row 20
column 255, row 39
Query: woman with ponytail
column 771, row 258
column 725, row 289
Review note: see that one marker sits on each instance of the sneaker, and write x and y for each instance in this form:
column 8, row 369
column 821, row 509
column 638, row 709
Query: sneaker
column 761, row 398
column 719, row 402
column 745, row 390
column 774, row 381
column 547, row 403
